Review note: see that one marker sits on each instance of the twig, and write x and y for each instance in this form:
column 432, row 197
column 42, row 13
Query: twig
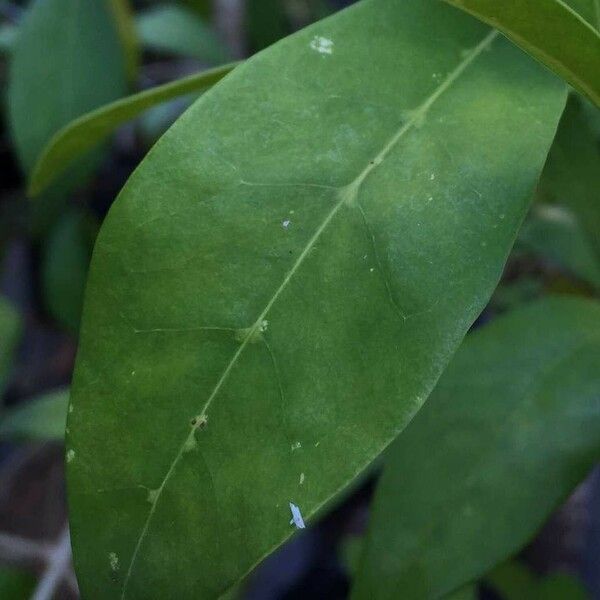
column 15, row 549
column 57, row 569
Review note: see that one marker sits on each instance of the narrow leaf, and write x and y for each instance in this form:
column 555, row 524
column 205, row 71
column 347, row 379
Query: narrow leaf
column 89, row 130
column 42, row 418
column 282, row 281
column 552, row 32
column 512, row 427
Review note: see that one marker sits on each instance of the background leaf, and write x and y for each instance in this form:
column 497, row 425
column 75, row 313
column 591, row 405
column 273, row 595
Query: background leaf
column 10, row 331
column 280, row 284
column 552, row 32
column 123, row 17
column 91, row 129
column 571, row 177
column 65, row 261
column 512, row 427
column 176, row 30
column 85, row 69
column 41, row 418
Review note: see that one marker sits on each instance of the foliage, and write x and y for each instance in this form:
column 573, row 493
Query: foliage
column 278, row 299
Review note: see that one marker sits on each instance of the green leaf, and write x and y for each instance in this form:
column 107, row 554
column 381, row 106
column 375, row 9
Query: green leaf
column 42, row 418
column 555, row 233
column 8, row 35
column 83, row 70
column 16, row 585
column 514, row 581
column 123, row 17
column 512, row 427
column 552, row 32
column 65, row 261
column 89, row 130
column 10, row 332
column 571, row 177
column 176, row 30
column 281, row 282
column 267, row 22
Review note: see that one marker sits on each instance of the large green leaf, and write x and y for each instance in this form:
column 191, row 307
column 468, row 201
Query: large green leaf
column 10, row 331
column 89, row 130
column 512, row 427
column 177, row 30
column 41, row 418
column 552, row 32
column 281, row 282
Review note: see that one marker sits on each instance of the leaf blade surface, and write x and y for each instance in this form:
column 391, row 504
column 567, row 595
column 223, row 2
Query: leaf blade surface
column 279, row 243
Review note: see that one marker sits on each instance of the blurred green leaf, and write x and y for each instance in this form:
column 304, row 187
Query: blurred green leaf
column 468, row 592
column 41, row 418
column 65, row 261
column 123, row 16
column 514, row 581
column 561, row 586
column 512, row 427
column 89, row 130
column 176, row 30
column 552, row 32
column 16, row 584
column 267, row 22
column 67, row 60
column 10, row 332
column 571, row 177
column 296, row 260
column 556, row 234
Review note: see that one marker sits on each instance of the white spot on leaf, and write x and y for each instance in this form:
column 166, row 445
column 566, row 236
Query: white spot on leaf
column 296, row 446
column 113, row 559
column 286, row 223
column 322, row 45
column 301, row 478
column 70, row 455
column 297, row 519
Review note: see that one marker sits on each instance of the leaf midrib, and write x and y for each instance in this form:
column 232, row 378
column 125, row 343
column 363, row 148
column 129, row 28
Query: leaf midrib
column 346, row 194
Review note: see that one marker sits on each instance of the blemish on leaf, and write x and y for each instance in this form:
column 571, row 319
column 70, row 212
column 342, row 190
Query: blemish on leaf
column 190, row 443
column 199, row 422
column 296, row 446
column 70, row 455
column 113, row 559
column 301, row 481
column 152, row 496
column 255, row 332
column 415, row 116
column 285, row 224
column 70, row 408
column 322, row 45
